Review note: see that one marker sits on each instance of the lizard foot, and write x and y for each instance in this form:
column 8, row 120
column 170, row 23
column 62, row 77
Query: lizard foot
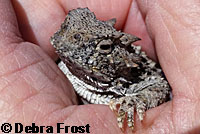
column 124, row 108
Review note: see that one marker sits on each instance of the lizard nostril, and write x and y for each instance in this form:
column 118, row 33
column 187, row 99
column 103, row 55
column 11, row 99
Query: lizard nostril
column 77, row 36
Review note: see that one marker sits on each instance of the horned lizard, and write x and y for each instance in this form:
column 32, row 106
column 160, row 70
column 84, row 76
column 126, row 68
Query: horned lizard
column 104, row 66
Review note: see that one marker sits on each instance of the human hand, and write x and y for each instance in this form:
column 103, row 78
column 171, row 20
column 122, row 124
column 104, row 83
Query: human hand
column 34, row 90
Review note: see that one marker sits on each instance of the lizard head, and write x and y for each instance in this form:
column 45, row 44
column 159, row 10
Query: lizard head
column 94, row 48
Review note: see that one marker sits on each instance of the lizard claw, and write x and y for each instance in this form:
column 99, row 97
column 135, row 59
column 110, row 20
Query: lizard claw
column 124, row 108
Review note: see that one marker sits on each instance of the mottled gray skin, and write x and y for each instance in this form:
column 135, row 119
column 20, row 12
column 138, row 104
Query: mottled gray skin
column 102, row 57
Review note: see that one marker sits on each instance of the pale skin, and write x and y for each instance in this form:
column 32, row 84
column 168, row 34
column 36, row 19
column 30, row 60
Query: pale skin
column 33, row 89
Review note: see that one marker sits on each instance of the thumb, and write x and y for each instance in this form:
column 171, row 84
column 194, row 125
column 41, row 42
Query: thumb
column 174, row 25
column 9, row 33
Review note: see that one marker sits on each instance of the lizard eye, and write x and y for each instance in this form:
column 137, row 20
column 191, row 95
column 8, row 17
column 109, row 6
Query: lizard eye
column 105, row 46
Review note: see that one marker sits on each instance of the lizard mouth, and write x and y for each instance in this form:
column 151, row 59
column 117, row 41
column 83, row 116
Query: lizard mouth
column 96, row 82
column 88, row 82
